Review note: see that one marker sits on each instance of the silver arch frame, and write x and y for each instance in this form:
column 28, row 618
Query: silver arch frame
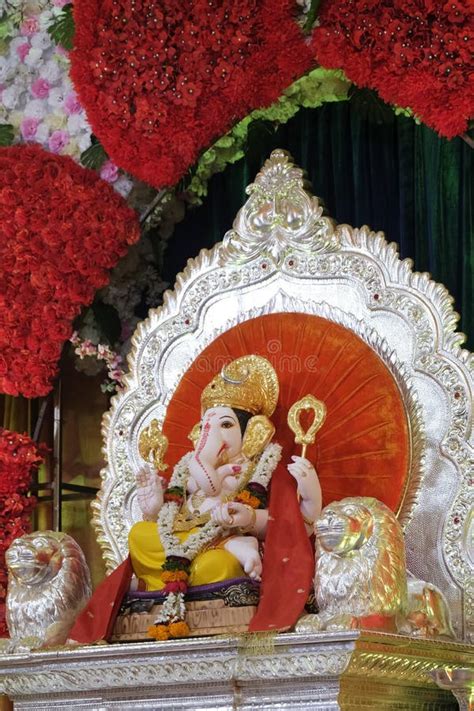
column 283, row 254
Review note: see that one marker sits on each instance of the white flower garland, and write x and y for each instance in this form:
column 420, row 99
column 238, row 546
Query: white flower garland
column 267, row 465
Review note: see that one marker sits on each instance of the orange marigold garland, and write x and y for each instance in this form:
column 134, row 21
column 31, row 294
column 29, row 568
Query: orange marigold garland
column 252, row 496
column 160, row 81
column 19, row 457
column 62, row 229
column 170, row 622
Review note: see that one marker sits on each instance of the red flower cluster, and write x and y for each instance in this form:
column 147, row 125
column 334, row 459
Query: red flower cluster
column 162, row 80
column 415, row 53
column 61, row 230
column 19, row 456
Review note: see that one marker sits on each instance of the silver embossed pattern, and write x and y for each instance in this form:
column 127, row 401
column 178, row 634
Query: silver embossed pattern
column 289, row 671
column 284, row 255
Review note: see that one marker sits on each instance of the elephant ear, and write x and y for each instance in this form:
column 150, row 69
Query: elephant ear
column 258, row 434
column 62, row 229
column 161, row 85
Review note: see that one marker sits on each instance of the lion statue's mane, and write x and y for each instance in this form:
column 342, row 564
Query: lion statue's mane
column 360, row 564
column 45, row 604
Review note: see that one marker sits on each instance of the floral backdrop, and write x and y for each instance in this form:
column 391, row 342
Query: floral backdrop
column 114, row 115
column 51, row 268
column 19, row 459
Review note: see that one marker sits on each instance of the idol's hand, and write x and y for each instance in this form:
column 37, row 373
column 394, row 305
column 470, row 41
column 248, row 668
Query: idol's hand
column 233, row 515
column 229, row 475
column 309, row 488
column 302, row 470
column 149, row 492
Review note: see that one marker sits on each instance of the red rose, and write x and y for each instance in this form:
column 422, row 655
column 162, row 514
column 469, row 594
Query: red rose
column 415, row 53
column 171, row 68
column 51, row 268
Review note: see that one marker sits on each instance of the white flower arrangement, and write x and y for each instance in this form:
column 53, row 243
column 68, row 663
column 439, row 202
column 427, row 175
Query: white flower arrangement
column 267, row 465
column 37, row 97
column 173, row 609
column 36, row 93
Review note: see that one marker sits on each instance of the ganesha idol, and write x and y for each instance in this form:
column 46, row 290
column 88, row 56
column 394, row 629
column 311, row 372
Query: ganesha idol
column 209, row 522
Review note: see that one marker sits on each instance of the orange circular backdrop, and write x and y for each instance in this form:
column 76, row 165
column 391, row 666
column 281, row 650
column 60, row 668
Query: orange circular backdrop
column 363, row 447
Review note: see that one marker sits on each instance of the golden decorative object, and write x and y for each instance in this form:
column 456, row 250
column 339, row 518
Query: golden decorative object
column 248, row 383
column 152, row 445
column 308, row 402
column 428, row 612
column 185, row 520
column 258, row 434
column 194, row 434
column 360, row 565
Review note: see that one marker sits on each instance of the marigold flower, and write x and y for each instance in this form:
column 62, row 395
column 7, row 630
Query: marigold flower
column 170, row 576
column 179, row 629
column 158, row 632
column 245, row 497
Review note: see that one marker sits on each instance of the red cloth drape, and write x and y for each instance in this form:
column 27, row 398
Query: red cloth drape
column 288, row 561
column 96, row 621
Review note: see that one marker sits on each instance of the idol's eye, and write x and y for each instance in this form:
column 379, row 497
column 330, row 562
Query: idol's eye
column 227, row 424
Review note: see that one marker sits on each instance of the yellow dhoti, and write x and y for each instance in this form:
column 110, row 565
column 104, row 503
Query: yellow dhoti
column 146, row 552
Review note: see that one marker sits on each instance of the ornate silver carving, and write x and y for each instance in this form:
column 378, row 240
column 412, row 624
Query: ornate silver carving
column 280, row 216
column 360, row 571
column 289, row 671
column 353, row 272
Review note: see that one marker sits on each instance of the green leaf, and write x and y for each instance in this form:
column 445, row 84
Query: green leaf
column 7, row 134
column 62, row 28
column 311, row 16
column 370, row 106
column 94, row 156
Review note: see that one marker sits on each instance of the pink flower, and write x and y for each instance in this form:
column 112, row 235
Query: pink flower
column 115, row 362
column 86, row 348
column 40, row 88
column 109, row 171
column 29, row 27
column 71, row 103
column 58, row 140
column 22, row 50
column 28, row 128
column 117, row 375
column 175, row 587
column 60, row 3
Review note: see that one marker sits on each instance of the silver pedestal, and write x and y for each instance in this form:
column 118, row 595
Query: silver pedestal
column 325, row 671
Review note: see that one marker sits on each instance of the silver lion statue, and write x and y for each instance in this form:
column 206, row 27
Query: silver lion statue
column 361, row 574
column 48, row 584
